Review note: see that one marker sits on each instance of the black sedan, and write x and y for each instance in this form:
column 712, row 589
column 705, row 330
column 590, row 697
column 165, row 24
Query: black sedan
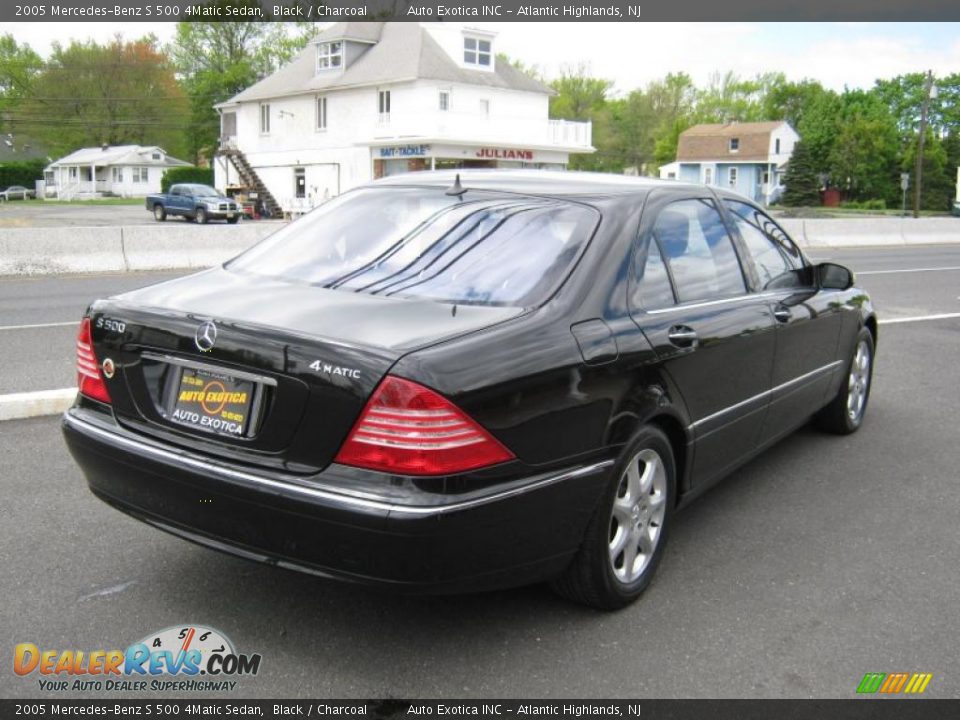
column 443, row 383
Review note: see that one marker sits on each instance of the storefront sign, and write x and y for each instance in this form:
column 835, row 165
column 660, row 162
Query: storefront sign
column 504, row 154
column 401, row 151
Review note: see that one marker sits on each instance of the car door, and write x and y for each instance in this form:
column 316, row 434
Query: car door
column 175, row 200
column 808, row 322
column 714, row 338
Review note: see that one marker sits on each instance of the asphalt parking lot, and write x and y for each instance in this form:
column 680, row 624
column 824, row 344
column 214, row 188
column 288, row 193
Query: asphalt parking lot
column 41, row 213
column 822, row 560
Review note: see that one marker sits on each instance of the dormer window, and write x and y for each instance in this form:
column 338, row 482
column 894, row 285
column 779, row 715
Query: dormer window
column 477, row 52
column 329, row 56
column 734, row 145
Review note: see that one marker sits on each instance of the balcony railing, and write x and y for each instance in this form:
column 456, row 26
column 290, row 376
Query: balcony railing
column 479, row 129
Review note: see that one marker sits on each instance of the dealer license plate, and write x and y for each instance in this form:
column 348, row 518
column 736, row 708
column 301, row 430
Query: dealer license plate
column 213, row 402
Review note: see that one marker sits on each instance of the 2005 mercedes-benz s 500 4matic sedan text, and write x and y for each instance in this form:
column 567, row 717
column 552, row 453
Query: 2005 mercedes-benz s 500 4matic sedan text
column 445, row 383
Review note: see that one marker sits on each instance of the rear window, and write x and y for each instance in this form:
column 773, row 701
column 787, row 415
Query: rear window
column 482, row 249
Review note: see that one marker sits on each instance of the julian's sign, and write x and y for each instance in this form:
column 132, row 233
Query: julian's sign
column 504, row 154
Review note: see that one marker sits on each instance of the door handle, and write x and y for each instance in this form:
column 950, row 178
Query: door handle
column 682, row 336
column 782, row 314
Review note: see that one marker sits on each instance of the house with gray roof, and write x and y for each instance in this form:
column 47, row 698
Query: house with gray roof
column 109, row 170
column 748, row 157
column 365, row 100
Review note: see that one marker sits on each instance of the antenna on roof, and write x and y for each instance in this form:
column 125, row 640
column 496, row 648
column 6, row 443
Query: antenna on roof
column 457, row 190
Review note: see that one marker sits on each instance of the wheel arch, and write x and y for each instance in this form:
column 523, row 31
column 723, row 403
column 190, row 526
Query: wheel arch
column 676, row 433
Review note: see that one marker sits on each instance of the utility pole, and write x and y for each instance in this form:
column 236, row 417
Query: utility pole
column 929, row 90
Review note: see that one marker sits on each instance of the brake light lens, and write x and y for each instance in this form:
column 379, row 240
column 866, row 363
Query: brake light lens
column 89, row 380
column 409, row 429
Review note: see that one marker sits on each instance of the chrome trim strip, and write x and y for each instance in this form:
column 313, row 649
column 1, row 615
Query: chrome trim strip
column 709, row 303
column 766, row 393
column 216, row 369
column 284, row 488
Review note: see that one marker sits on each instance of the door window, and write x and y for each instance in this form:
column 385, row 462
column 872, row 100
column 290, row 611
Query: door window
column 698, row 251
column 650, row 287
column 774, row 255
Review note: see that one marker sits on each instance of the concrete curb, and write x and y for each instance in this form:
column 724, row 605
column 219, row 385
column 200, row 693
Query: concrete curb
column 16, row 406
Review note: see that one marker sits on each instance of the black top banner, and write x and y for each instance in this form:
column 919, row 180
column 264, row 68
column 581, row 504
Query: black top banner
column 576, row 709
column 476, row 10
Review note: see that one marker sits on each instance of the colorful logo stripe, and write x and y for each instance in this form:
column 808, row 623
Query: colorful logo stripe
column 893, row 683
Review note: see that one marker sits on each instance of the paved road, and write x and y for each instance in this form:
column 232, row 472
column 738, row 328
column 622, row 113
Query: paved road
column 41, row 358
column 822, row 560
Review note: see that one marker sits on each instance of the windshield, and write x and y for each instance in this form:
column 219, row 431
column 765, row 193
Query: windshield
column 483, row 249
column 202, row 191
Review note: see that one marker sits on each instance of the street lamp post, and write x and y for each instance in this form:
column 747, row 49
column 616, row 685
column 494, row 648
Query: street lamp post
column 929, row 91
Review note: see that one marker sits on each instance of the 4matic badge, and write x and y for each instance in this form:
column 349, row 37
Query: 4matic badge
column 334, row 370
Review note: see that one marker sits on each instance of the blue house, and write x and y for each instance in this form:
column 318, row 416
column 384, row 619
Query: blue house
column 749, row 158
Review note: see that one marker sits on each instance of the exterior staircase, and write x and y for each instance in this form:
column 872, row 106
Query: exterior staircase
column 252, row 180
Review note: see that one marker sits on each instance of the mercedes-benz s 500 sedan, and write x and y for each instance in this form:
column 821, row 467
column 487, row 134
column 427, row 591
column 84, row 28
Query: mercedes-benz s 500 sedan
column 445, row 383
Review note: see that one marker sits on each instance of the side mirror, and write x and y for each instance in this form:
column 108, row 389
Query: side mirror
column 834, row 277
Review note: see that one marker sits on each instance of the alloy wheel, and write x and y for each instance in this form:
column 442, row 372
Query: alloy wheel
column 859, row 382
column 636, row 521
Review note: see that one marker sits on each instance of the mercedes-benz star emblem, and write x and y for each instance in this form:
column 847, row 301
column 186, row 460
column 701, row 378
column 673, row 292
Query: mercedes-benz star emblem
column 206, row 336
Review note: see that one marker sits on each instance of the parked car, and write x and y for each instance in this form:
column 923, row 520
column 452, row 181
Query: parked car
column 955, row 210
column 17, row 192
column 200, row 203
column 442, row 384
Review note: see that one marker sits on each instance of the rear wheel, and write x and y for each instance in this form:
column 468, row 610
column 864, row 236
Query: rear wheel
column 844, row 414
column 159, row 213
column 201, row 216
column 626, row 536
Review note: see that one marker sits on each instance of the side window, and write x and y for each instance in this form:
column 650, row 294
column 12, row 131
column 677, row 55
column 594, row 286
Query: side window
column 698, row 251
column 773, row 253
column 650, row 287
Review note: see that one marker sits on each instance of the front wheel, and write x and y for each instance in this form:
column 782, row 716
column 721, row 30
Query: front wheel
column 159, row 214
column 233, row 220
column 201, row 216
column 626, row 536
column 844, row 414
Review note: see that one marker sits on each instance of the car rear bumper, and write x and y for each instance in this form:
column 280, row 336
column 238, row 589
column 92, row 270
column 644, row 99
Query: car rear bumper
column 513, row 533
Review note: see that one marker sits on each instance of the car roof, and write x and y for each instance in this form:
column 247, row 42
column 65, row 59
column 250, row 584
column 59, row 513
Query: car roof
column 537, row 182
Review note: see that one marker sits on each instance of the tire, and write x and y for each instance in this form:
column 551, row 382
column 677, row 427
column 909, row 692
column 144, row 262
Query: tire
column 600, row 574
column 159, row 214
column 233, row 220
column 845, row 413
column 200, row 215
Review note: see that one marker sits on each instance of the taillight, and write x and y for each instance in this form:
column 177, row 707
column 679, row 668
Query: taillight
column 411, row 430
column 89, row 380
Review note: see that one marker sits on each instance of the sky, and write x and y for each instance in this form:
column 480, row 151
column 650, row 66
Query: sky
column 633, row 54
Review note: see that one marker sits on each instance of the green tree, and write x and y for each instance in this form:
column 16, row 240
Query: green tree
column 802, row 184
column 119, row 93
column 863, row 160
column 579, row 96
column 217, row 60
column 19, row 66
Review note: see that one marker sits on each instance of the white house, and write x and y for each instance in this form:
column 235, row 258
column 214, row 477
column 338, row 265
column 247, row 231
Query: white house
column 749, row 157
column 120, row 170
column 365, row 100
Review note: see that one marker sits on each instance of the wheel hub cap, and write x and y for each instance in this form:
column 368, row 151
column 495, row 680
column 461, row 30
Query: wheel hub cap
column 858, row 381
column 637, row 516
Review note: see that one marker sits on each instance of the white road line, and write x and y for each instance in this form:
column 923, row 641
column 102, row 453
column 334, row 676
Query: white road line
column 39, row 325
column 920, row 318
column 907, row 270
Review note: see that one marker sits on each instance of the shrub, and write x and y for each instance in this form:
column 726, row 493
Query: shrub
column 201, row 176
column 22, row 172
